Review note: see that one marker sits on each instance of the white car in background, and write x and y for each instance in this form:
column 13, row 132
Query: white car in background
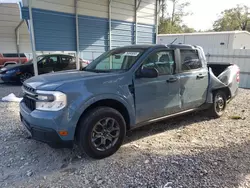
column 84, row 62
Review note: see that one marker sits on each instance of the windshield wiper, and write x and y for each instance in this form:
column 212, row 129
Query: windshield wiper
column 95, row 70
column 104, row 71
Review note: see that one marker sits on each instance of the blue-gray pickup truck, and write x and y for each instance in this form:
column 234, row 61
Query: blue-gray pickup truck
column 123, row 89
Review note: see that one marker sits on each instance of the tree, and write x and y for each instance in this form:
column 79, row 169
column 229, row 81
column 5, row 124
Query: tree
column 186, row 29
column 163, row 8
column 178, row 11
column 233, row 19
column 171, row 22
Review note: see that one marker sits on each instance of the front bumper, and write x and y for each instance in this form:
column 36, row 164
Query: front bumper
column 46, row 135
column 9, row 77
column 44, row 127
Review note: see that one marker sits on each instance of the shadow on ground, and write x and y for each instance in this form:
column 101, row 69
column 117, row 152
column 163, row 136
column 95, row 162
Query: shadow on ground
column 166, row 125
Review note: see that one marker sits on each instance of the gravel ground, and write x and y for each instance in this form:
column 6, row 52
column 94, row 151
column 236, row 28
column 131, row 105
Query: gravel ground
column 6, row 89
column 191, row 151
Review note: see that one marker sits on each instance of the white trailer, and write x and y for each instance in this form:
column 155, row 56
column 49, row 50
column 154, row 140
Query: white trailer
column 221, row 47
column 228, row 40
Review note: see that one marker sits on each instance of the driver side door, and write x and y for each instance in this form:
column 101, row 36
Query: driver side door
column 47, row 64
column 157, row 97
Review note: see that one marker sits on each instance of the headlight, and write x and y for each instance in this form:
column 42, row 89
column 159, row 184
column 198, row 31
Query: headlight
column 11, row 71
column 50, row 100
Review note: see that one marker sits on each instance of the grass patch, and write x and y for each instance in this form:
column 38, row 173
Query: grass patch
column 235, row 117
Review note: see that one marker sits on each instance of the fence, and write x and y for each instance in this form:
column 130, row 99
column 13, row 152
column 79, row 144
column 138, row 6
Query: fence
column 238, row 57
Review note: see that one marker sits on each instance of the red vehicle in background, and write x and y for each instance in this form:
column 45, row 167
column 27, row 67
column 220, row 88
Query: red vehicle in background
column 10, row 59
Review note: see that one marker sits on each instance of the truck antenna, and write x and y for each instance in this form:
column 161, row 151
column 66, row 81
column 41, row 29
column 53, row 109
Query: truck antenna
column 173, row 41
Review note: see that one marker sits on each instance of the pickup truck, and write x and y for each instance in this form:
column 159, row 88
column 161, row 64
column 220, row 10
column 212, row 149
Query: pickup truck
column 123, row 89
column 10, row 59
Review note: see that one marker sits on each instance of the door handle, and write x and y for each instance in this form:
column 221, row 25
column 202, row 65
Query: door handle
column 200, row 76
column 171, row 80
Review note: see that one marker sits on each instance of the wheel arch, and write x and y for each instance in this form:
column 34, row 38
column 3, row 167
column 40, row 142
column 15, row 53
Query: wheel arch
column 118, row 105
column 211, row 93
column 226, row 90
column 9, row 63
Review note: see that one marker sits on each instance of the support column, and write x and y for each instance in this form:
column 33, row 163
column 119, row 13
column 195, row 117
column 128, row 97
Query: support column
column 135, row 33
column 156, row 20
column 31, row 29
column 78, row 63
column 110, row 32
column 110, row 25
column 137, row 6
column 18, row 40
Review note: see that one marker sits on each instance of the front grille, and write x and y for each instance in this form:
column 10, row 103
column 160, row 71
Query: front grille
column 29, row 89
column 29, row 97
column 30, row 103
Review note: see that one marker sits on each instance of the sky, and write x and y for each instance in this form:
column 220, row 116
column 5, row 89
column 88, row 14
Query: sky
column 205, row 12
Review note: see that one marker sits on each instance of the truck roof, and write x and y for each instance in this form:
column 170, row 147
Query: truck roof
column 147, row 46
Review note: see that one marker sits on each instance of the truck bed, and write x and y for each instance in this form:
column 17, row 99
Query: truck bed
column 218, row 68
column 224, row 75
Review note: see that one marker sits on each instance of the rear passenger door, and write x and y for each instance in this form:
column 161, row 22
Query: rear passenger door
column 193, row 79
column 67, row 63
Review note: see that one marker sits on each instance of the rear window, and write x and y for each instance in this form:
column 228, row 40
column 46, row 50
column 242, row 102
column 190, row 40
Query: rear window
column 13, row 55
column 190, row 60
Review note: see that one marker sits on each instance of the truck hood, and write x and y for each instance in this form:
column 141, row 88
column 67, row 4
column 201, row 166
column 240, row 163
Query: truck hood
column 53, row 80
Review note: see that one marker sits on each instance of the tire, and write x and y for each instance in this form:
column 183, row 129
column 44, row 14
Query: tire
column 24, row 76
column 94, row 136
column 219, row 104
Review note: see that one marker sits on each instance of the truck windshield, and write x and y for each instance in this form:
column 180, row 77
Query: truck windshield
column 115, row 60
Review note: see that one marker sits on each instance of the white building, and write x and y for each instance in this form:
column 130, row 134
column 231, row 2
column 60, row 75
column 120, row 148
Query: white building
column 228, row 40
column 13, row 31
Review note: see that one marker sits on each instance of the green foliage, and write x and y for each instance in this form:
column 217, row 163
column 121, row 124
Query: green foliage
column 171, row 22
column 233, row 19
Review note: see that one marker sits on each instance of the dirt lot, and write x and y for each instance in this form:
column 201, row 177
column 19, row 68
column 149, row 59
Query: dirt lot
column 191, row 151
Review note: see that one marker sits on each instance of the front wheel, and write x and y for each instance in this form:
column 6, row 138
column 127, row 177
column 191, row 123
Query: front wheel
column 219, row 104
column 25, row 76
column 101, row 132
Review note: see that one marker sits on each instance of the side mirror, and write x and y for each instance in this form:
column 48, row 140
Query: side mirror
column 148, row 73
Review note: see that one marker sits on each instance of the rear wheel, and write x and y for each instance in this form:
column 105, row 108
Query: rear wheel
column 219, row 104
column 25, row 76
column 101, row 132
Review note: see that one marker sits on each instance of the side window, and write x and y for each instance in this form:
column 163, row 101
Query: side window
column 68, row 63
column 190, row 60
column 72, row 63
column 49, row 61
column 163, row 61
column 14, row 55
column 52, row 59
column 65, row 60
